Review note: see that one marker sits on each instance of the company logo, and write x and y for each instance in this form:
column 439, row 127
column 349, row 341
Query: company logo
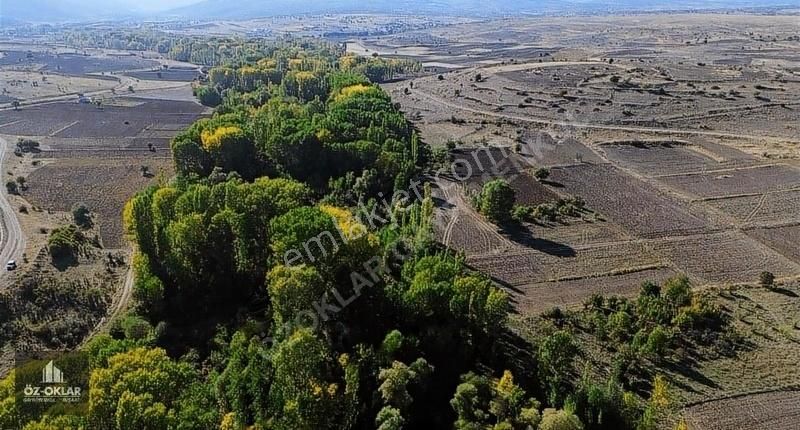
column 52, row 374
column 46, row 378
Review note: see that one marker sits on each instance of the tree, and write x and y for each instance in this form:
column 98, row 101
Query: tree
column 137, row 390
column 64, row 242
column 556, row 355
column 81, row 215
column 541, row 174
column 553, row 419
column 305, row 234
column 293, row 290
column 477, row 302
column 208, row 96
column 310, row 395
column 389, row 418
column 766, row 279
column 497, row 200
column 12, row 187
column 482, row 403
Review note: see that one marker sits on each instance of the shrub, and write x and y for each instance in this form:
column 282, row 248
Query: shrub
column 766, row 279
column 541, row 174
column 81, row 215
column 64, row 242
column 208, row 96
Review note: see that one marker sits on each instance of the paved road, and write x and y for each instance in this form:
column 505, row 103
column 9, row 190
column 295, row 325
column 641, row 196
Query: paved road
column 12, row 241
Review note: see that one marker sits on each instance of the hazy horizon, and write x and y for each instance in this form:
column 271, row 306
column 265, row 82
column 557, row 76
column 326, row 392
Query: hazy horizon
column 87, row 10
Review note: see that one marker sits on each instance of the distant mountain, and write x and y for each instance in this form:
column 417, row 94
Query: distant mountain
column 12, row 11
column 17, row 11
column 239, row 9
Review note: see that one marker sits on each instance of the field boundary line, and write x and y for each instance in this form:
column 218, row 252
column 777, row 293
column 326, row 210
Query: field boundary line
column 53, row 134
column 616, row 272
column 788, row 388
column 723, row 170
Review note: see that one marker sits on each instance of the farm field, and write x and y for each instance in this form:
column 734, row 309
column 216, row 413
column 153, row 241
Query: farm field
column 760, row 179
column 775, row 410
column 99, row 153
column 635, row 205
column 120, row 117
column 782, row 239
column 761, row 209
column 102, row 184
column 675, row 144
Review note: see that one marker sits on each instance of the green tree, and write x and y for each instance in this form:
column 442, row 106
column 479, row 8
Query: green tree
column 497, row 200
column 208, row 96
column 81, row 215
column 137, row 390
column 541, row 174
column 553, row 419
column 294, row 290
column 766, row 279
column 556, row 354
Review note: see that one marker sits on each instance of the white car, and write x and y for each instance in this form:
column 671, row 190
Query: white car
column 11, row 265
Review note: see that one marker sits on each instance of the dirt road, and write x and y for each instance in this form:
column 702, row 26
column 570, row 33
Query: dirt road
column 576, row 124
column 12, row 241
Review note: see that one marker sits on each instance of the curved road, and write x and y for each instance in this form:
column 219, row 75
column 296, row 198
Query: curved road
column 12, row 241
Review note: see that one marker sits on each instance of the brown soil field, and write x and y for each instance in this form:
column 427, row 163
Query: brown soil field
column 543, row 150
column 772, row 410
column 103, row 184
column 532, row 299
column 545, row 261
column 638, row 207
column 785, row 240
column 528, row 190
column 737, row 181
column 765, row 209
column 22, row 85
column 73, row 63
column 656, row 158
column 76, row 120
column 724, row 257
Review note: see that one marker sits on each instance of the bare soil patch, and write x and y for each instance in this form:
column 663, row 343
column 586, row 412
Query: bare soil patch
column 737, row 181
column 762, row 209
column 774, row 410
column 638, row 207
column 724, row 257
column 785, row 240
column 104, row 185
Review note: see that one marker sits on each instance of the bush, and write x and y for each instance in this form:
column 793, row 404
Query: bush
column 766, row 279
column 27, row 145
column 12, row 187
column 541, row 174
column 64, row 242
column 522, row 213
column 81, row 215
column 208, row 96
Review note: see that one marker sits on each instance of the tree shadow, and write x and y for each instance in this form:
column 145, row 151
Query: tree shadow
column 523, row 236
column 784, row 291
column 442, row 203
column 552, row 183
column 64, row 262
